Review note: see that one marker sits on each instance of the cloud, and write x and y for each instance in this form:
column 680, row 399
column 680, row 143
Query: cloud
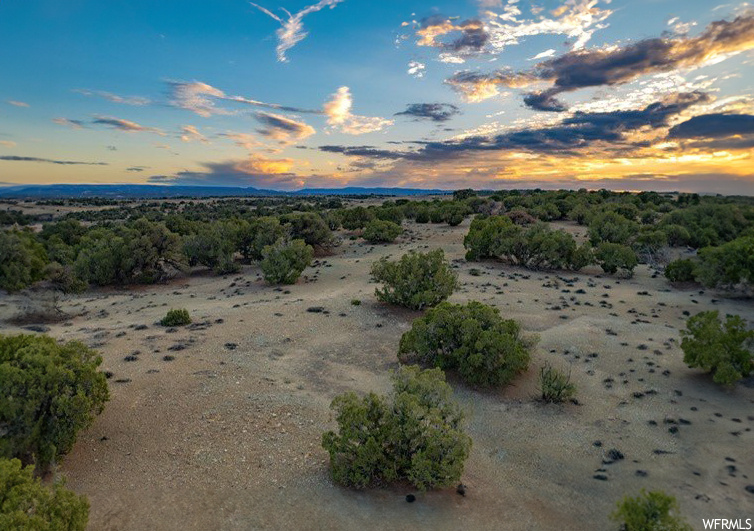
column 614, row 65
column 256, row 170
column 545, row 54
column 190, row 133
column 339, row 116
column 494, row 31
column 200, row 98
column 282, row 128
column 292, row 30
column 364, row 151
column 436, row 112
column 17, row 103
column 73, row 124
column 416, row 69
column 15, row 158
column 125, row 100
column 125, row 125
column 7, row 143
column 137, row 169
column 714, row 126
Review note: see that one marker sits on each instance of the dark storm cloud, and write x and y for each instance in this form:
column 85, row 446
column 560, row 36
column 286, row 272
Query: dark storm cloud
column 437, row 112
column 714, row 126
column 364, row 151
column 614, row 66
column 15, row 158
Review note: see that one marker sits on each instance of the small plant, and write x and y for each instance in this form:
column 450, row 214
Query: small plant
column 650, row 511
column 415, row 436
column 554, row 385
column 379, row 231
column 681, row 271
column 722, row 348
column 473, row 339
column 50, row 391
column 176, row 318
column 356, row 302
column 612, row 256
column 26, row 504
column 416, row 281
column 284, row 261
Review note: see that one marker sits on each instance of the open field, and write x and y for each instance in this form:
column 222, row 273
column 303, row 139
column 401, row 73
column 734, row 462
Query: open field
column 217, row 425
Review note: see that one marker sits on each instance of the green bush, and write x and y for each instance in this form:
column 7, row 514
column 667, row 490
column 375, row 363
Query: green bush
column 311, row 228
column 650, row 511
column 472, row 339
column 256, row 234
column 214, row 246
column 379, row 231
column 356, row 218
column 176, row 318
column 611, row 227
column 22, row 260
column 27, row 505
column 728, row 265
column 612, row 256
column 681, row 270
column 416, row 281
column 284, row 261
column 417, row 436
column 554, row 385
column 722, row 348
column 50, row 392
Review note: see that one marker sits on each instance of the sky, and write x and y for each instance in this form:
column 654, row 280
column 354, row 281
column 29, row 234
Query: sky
column 291, row 94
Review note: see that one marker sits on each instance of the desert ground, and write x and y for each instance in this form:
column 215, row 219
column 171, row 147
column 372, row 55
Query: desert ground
column 217, row 425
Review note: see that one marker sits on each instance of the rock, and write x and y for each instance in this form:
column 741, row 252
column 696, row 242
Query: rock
column 461, row 489
column 410, row 498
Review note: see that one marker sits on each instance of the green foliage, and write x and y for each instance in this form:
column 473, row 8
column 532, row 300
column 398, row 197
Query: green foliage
column 681, row 270
column 708, row 224
column 213, row 246
column 650, row 511
column 284, row 261
column 176, row 317
column 472, row 339
column 612, row 256
column 379, row 231
column 416, row 281
column 417, row 436
column 311, row 228
column 611, row 227
column 728, row 265
column 356, row 218
column 256, row 234
column 649, row 242
column 722, row 348
column 554, row 385
column 463, row 195
column 22, row 260
column 50, row 392
column 536, row 247
column 27, row 505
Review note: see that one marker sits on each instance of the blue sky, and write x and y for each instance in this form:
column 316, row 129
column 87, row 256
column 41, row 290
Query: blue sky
column 641, row 94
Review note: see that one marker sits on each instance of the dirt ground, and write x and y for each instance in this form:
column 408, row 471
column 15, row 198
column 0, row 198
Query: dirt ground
column 218, row 425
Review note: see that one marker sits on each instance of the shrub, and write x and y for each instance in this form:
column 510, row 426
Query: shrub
column 729, row 265
column 256, row 234
column 22, row 260
column 284, row 261
column 356, row 218
column 650, row 511
column 379, row 231
column 416, row 281
column 611, row 227
column 311, row 228
column 213, row 246
column 50, row 392
column 356, row 302
column 554, row 385
column 176, row 318
column 417, row 436
column 681, row 270
column 612, row 256
column 26, row 504
column 473, row 339
column 722, row 348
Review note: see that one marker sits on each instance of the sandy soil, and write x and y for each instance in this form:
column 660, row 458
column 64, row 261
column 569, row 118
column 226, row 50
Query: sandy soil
column 226, row 433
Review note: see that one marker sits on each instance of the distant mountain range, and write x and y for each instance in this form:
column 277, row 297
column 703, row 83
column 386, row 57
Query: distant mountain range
column 134, row 191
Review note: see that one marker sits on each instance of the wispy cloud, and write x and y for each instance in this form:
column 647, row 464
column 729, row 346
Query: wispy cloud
column 292, row 30
column 340, row 117
column 436, row 112
column 416, row 69
column 125, row 100
column 17, row 103
column 7, row 143
column 282, row 128
column 613, row 65
column 201, row 98
column 190, row 133
column 14, row 158
column 125, row 125
column 73, row 124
